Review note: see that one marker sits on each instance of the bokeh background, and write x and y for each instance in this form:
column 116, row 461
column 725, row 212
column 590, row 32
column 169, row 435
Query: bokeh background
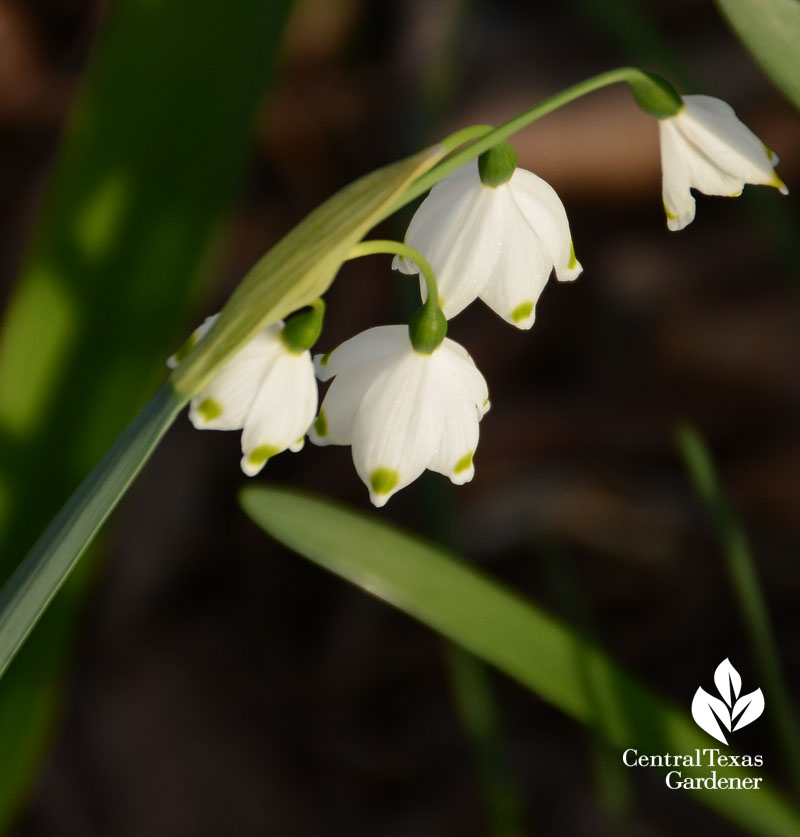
column 216, row 684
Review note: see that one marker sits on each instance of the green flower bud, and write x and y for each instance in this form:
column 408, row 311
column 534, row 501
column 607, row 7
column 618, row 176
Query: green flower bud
column 497, row 164
column 656, row 96
column 303, row 328
column 427, row 329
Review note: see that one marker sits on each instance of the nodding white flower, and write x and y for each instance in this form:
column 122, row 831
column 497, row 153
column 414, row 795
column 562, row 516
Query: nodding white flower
column 499, row 243
column 705, row 147
column 266, row 390
column 402, row 411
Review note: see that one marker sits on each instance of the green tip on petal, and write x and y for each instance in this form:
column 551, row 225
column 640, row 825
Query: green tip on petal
column 321, row 425
column 383, row 480
column 779, row 184
column 323, row 361
column 671, row 216
column 209, row 409
column 464, row 463
column 258, row 456
column 497, row 165
column 573, row 261
column 522, row 311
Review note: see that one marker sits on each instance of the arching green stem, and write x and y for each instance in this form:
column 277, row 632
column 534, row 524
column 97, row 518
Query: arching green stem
column 428, row 325
column 653, row 94
column 397, row 248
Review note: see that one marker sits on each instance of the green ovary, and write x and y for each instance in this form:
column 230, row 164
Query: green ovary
column 383, row 480
column 464, row 463
column 258, row 456
column 522, row 312
column 209, row 409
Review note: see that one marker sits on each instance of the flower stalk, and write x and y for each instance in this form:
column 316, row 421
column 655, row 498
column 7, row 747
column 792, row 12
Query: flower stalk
column 655, row 95
column 428, row 325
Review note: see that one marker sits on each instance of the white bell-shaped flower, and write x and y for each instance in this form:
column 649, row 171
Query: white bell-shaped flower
column 402, row 411
column 499, row 243
column 266, row 390
column 705, row 147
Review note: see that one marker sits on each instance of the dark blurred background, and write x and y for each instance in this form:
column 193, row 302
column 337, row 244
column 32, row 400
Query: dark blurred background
column 223, row 686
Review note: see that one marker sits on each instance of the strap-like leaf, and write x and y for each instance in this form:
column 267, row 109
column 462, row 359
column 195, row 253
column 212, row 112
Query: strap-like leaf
column 770, row 29
column 504, row 629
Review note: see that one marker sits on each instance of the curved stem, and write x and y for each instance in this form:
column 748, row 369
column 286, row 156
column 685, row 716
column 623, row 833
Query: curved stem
column 487, row 137
column 397, row 248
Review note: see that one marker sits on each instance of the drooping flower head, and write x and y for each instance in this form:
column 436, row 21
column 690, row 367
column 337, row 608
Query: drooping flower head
column 706, row 147
column 267, row 390
column 497, row 242
column 401, row 410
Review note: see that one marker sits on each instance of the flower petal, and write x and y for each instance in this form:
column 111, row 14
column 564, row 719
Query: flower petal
column 676, row 193
column 542, row 209
column 458, row 439
column 334, row 423
column 522, row 270
column 396, row 430
column 464, row 374
column 223, row 404
column 361, row 349
column 712, row 128
column 457, row 228
column 281, row 411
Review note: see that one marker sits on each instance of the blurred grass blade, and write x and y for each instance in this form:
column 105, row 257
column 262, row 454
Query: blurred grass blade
column 504, row 629
column 770, row 29
column 30, row 589
column 152, row 156
column 743, row 577
column 477, row 709
column 612, row 780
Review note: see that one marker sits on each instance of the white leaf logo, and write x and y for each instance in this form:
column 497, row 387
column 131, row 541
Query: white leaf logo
column 732, row 712
column 728, row 682
column 751, row 706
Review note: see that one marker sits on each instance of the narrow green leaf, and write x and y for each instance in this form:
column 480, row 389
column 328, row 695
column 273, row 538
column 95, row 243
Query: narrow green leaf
column 301, row 266
column 27, row 593
column 513, row 634
column 770, row 29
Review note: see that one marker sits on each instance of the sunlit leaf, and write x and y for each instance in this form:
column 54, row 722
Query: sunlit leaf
column 506, row 630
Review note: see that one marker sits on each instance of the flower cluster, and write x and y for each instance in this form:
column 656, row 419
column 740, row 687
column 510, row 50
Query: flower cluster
column 406, row 398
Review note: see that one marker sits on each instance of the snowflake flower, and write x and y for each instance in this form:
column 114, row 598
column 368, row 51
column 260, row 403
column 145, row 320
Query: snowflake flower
column 266, row 390
column 401, row 410
column 499, row 243
column 705, row 147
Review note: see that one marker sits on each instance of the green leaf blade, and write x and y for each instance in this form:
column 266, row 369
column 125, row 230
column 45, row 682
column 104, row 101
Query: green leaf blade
column 507, row 631
column 770, row 29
